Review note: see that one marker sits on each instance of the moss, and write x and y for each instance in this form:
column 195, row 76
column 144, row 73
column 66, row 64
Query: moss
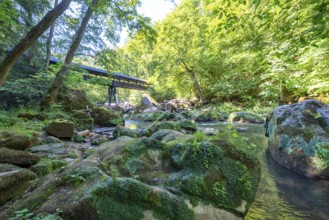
column 123, row 131
column 162, row 125
column 17, row 157
column 13, row 184
column 208, row 172
column 308, row 134
column 128, row 199
column 43, row 167
column 188, row 125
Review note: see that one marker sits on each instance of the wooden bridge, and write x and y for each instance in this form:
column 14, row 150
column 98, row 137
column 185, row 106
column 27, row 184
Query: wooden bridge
column 118, row 80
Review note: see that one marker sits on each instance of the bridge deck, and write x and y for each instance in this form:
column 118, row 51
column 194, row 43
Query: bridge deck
column 120, row 80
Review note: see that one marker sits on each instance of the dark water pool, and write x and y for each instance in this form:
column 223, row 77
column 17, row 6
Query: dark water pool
column 282, row 194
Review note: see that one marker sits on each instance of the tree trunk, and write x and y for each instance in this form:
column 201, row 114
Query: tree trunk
column 50, row 40
column 30, row 38
column 60, row 75
column 197, row 86
column 195, row 80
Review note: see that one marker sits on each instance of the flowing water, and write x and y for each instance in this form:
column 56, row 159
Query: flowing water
column 282, row 194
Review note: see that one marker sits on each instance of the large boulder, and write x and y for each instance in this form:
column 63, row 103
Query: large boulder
column 107, row 117
column 15, row 141
column 83, row 120
column 60, row 129
column 13, row 182
column 245, row 117
column 72, row 99
column 56, row 151
column 18, row 157
column 188, row 125
column 299, row 137
column 153, row 116
column 144, row 178
column 123, row 131
column 162, row 125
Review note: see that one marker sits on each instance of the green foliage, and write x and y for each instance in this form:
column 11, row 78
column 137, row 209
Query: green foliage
column 252, row 52
column 314, row 115
column 199, row 136
column 77, row 177
column 25, row 214
column 239, row 143
column 322, row 154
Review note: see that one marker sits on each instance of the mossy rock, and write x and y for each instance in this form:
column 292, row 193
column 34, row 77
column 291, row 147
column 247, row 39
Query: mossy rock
column 56, row 151
column 83, row 120
column 15, row 141
column 79, row 139
column 46, row 166
column 153, row 116
column 60, row 129
column 188, row 125
column 32, row 116
column 299, row 137
column 245, row 117
column 140, row 178
column 17, row 157
column 107, row 117
column 207, row 115
column 125, row 198
column 72, row 99
column 162, row 125
column 134, row 157
column 167, row 136
column 211, row 172
column 13, row 183
column 123, row 131
column 6, row 167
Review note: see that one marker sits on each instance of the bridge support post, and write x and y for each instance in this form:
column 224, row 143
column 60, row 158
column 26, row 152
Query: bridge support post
column 112, row 91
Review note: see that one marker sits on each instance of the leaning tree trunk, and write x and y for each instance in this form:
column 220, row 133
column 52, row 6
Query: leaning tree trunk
column 197, row 86
column 60, row 75
column 30, row 38
column 50, row 40
column 194, row 79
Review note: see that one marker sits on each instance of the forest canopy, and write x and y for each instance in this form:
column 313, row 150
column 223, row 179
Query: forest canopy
column 244, row 50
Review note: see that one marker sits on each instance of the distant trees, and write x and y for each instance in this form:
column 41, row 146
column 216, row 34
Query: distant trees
column 242, row 51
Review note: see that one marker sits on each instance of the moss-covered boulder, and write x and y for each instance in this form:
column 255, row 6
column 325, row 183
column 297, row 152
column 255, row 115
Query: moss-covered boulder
column 83, row 120
column 123, row 131
column 15, row 141
column 153, row 116
column 60, row 129
column 18, row 157
column 299, row 137
column 148, row 178
column 56, row 151
column 32, row 116
column 188, row 126
column 161, row 125
column 46, row 166
column 13, row 183
column 107, row 117
column 72, row 99
column 245, row 117
column 167, row 136
column 207, row 114
column 212, row 171
column 206, row 172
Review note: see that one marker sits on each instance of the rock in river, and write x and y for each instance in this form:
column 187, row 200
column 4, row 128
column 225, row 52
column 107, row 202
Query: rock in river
column 299, row 137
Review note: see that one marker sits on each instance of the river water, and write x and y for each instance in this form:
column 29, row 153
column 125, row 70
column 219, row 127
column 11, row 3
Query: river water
column 282, row 194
